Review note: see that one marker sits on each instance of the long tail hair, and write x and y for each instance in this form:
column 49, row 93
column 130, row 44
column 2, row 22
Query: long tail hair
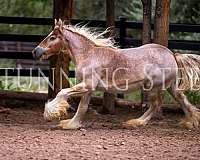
column 188, row 71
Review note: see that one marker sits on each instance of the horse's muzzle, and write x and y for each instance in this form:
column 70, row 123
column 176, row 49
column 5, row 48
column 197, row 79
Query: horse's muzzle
column 38, row 52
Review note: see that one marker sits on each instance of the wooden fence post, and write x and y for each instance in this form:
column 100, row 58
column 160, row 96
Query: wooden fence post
column 63, row 9
column 122, row 31
column 122, row 35
column 146, row 36
column 109, row 98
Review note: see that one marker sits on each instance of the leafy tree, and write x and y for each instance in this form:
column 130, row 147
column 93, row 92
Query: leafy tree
column 184, row 11
column 131, row 9
column 26, row 8
column 89, row 9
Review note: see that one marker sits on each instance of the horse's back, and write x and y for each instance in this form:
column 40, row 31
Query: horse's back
column 150, row 53
column 149, row 47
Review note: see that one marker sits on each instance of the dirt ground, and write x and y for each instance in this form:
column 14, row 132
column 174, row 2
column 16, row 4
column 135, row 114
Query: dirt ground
column 25, row 135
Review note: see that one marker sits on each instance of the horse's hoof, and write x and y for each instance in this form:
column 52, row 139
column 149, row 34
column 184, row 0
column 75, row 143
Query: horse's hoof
column 134, row 123
column 191, row 122
column 68, row 124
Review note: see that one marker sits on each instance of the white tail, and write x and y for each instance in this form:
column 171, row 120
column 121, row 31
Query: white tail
column 189, row 71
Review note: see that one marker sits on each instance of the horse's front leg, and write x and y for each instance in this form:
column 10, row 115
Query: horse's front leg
column 76, row 121
column 57, row 107
column 54, row 110
column 85, row 89
column 78, row 89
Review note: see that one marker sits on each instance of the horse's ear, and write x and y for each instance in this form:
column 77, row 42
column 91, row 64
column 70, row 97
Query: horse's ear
column 60, row 24
column 55, row 22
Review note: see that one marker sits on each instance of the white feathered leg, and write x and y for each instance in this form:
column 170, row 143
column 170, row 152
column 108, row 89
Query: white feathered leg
column 76, row 121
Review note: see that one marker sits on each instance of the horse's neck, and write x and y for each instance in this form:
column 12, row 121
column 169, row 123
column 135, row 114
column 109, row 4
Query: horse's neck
column 81, row 54
column 80, row 48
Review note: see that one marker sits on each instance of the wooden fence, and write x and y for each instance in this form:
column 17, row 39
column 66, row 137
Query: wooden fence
column 122, row 24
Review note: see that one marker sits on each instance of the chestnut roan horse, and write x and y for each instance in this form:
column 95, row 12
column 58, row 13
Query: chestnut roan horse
column 102, row 66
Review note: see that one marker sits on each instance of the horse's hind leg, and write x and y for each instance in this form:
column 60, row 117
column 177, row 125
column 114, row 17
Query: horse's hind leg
column 192, row 114
column 155, row 102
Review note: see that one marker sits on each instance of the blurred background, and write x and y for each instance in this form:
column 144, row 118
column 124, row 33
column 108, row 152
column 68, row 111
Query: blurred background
column 181, row 11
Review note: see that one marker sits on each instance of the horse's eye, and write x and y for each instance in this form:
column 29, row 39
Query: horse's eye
column 52, row 38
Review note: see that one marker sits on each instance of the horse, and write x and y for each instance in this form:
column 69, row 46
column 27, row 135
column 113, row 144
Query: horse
column 100, row 65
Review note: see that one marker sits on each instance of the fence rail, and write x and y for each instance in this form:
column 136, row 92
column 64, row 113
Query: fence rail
column 173, row 44
column 173, row 27
column 21, row 38
column 28, row 72
column 15, row 55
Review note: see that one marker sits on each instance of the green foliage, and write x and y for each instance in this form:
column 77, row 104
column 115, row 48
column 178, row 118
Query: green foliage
column 135, row 96
column 168, row 98
column 3, row 85
column 7, row 63
column 89, row 9
column 97, row 93
column 26, row 8
column 185, row 11
column 23, row 84
column 9, row 86
column 131, row 9
column 193, row 96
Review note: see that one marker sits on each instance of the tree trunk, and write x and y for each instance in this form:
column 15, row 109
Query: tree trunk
column 146, row 32
column 161, row 29
column 110, row 16
column 109, row 98
column 161, row 22
column 146, row 36
column 63, row 9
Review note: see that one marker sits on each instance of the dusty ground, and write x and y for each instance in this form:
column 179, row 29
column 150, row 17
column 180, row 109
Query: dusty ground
column 24, row 135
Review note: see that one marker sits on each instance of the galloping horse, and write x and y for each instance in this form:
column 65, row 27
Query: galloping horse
column 102, row 66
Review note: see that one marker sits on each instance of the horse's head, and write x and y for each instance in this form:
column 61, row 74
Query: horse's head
column 53, row 44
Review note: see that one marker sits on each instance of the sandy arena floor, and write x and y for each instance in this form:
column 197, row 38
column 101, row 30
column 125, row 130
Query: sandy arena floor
column 25, row 135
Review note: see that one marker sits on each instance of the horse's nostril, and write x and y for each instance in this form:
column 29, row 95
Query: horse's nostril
column 38, row 52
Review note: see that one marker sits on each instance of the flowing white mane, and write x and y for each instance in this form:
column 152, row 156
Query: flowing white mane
column 96, row 37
